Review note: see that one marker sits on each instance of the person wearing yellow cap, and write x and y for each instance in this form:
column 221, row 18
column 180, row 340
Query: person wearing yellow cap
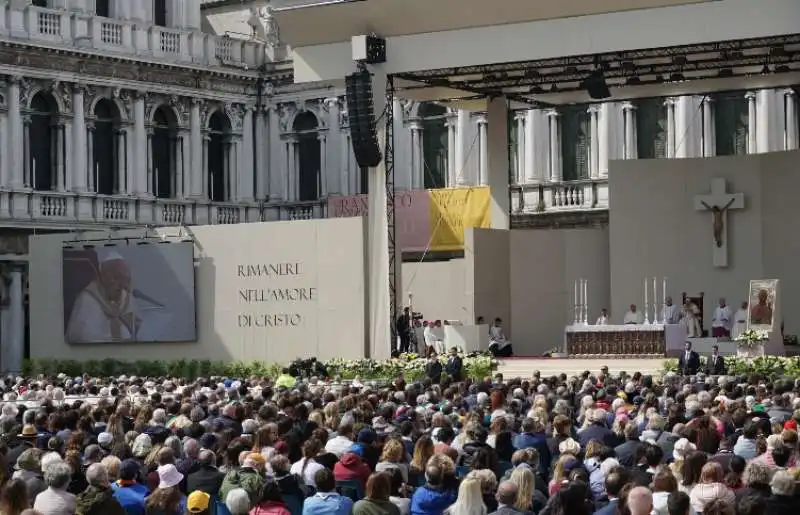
column 198, row 502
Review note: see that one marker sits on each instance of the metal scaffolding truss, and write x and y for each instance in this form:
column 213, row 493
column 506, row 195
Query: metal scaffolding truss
column 388, row 161
column 739, row 58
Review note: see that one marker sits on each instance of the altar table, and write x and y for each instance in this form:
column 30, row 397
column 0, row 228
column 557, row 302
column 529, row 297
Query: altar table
column 638, row 340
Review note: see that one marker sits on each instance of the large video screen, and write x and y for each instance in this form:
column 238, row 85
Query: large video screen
column 129, row 293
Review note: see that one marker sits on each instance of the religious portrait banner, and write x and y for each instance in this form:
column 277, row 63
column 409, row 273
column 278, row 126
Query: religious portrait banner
column 126, row 293
column 454, row 209
column 762, row 304
column 411, row 218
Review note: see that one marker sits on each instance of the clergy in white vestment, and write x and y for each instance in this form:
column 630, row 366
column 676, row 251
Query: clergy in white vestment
column 603, row 318
column 633, row 316
column 689, row 320
column 105, row 311
column 739, row 321
column 722, row 321
column 432, row 341
column 498, row 343
column 671, row 314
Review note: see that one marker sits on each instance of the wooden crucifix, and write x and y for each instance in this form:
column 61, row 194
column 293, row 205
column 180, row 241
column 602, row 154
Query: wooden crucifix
column 718, row 203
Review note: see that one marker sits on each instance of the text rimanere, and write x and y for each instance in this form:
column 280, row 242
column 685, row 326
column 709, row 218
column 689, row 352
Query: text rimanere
column 277, row 302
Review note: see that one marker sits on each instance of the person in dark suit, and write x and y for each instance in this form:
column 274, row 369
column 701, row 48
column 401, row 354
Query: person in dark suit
column 689, row 362
column 627, row 451
column 433, row 370
column 454, row 365
column 715, row 364
column 207, row 478
column 403, row 326
column 506, row 497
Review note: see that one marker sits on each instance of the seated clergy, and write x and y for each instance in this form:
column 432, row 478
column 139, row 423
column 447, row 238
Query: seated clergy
column 633, row 316
column 671, row 313
column 603, row 318
column 498, row 344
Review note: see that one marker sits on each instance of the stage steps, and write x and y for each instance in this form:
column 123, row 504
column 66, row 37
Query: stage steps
column 524, row 367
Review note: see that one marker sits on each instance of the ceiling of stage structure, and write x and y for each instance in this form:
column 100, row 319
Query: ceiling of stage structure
column 679, row 70
column 541, row 53
column 337, row 20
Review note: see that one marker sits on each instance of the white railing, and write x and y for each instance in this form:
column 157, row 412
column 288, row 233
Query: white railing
column 584, row 195
column 104, row 35
column 304, row 211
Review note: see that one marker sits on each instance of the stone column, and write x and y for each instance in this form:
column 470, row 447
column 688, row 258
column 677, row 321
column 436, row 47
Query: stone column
column 462, row 123
column 690, row 126
column 122, row 179
column 61, row 168
column 14, row 342
column 330, row 176
column 483, row 145
column 709, row 142
column 150, row 175
column 416, row 148
column 531, row 128
column 277, row 157
column 245, row 165
column 291, row 169
column 180, row 160
column 17, row 160
column 5, row 144
column 669, row 104
column 204, row 177
column 451, row 153
column 142, row 156
column 770, row 120
column 235, row 174
column 196, row 144
column 346, row 160
column 262, row 150
column 497, row 152
column 555, row 147
column 607, row 136
column 322, row 180
column 594, row 143
column 519, row 118
column 91, row 166
column 629, row 115
column 790, row 132
column 753, row 125
column 27, row 165
column 79, row 156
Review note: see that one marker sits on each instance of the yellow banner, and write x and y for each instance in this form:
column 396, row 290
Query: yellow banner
column 455, row 209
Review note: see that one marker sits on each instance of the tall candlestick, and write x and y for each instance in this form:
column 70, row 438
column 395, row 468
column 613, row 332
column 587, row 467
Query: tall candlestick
column 655, row 301
column 33, row 174
column 585, row 301
column 575, row 306
column 645, row 294
column 664, row 297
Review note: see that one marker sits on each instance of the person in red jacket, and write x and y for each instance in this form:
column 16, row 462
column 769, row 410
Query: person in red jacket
column 352, row 466
column 271, row 502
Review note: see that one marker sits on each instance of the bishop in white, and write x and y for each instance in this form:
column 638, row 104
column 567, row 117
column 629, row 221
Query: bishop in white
column 723, row 320
column 671, row 314
column 633, row 316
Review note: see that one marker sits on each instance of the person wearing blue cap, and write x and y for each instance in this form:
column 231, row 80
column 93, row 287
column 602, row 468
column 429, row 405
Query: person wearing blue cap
column 368, row 438
column 352, row 466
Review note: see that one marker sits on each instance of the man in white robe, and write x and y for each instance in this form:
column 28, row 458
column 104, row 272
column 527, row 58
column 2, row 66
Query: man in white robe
column 603, row 318
column 633, row 316
column 432, row 340
column 498, row 344
column 105, row 311
column 722, row 321
column 739, row 321
column 671, row 314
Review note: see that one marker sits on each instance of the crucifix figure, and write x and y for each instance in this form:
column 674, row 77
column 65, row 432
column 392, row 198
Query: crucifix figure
column 718, row 203
column 717, row 214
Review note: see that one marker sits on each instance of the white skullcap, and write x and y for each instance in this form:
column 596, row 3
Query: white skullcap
column 105, row 255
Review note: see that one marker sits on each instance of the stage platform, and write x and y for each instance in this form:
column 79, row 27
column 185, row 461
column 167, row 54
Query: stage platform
column 525, row 367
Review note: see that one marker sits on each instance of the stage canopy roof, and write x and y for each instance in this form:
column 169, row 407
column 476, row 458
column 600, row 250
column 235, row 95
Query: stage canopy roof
column 540, row 53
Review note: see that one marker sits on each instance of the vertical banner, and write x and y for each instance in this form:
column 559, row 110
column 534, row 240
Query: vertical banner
column 411, row 216
column 454, row 209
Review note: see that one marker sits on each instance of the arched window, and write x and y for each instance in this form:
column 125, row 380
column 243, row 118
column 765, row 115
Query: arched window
column 434, row 144
column 43, row 156
column 309, row 156
column 160, row 13
column 165, row 128
column 219, row 129
column 106, row 156
column 101, row 8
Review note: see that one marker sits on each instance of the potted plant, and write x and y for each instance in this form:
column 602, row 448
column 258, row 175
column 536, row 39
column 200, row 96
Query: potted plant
column 750, row 343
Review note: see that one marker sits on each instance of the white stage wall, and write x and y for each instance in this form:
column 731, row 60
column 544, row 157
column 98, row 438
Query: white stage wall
column 326, row 258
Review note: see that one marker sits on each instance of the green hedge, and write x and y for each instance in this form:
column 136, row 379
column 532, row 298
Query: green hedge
column 411, row 365
column 769, row 367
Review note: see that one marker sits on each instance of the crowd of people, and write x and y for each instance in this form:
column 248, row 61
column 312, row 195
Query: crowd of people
column 597, row 443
